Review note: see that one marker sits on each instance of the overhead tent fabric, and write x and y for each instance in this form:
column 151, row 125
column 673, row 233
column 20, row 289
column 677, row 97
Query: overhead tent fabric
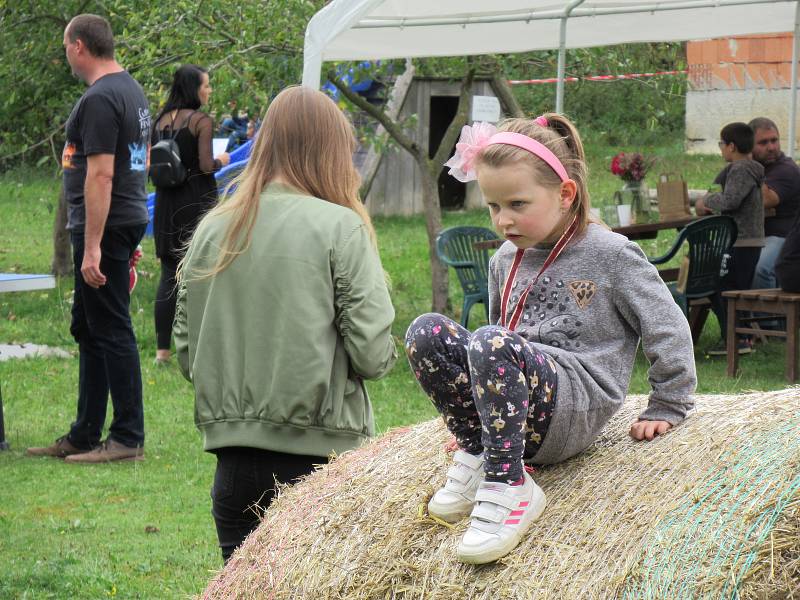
column 381, row 29
column 376, row 29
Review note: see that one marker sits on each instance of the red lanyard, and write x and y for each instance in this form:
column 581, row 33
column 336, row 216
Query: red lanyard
column 512, row 275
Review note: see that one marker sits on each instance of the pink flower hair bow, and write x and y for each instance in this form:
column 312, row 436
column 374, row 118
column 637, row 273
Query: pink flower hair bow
column 473, row 139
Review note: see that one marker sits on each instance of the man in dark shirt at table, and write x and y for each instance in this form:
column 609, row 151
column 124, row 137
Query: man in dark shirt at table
column 105, row 170
column 781, row 191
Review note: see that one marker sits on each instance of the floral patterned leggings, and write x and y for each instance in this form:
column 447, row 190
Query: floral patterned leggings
column 495, row 391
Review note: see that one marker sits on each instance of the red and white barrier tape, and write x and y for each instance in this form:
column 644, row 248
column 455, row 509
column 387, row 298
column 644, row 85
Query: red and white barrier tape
column 596, row 77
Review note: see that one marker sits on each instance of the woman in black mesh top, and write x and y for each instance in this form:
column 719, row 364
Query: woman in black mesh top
column 179, row 209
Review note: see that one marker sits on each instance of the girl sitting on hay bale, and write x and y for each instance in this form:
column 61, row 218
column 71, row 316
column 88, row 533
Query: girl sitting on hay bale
column 283, row 311
column 571, row 301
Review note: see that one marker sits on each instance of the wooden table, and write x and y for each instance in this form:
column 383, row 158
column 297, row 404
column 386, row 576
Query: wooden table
column 647, row 231
column 15, row 282
column 632, row 232
column 772, row 301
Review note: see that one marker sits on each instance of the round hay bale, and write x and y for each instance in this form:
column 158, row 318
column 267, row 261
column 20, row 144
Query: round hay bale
column 708, row 511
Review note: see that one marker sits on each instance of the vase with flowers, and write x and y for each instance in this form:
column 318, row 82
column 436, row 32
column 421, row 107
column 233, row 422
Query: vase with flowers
column 632, row 167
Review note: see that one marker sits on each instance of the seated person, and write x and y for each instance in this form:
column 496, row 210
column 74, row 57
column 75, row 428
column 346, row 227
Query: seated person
column 787, row 267
column 741, row 199
column 235, row 122
column 781, row 192
column 236, row 139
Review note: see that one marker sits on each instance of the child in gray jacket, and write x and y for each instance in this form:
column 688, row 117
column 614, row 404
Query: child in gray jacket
column 569, row 303
column 741, row 199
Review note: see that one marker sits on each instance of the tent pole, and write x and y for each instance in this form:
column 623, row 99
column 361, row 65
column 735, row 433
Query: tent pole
column 793, row 87
column 562, row 54
column 562, row 58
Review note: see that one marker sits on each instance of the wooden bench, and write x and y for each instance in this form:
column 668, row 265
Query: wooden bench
column 772, row 301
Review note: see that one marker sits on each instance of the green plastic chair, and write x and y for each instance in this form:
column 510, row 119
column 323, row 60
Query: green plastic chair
column 455, row 248
column 709, row 239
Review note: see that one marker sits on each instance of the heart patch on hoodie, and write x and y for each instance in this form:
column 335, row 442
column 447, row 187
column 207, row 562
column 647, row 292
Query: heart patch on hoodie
column 583, row 292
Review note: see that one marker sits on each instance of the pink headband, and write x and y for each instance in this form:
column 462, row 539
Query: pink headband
column 475, row 138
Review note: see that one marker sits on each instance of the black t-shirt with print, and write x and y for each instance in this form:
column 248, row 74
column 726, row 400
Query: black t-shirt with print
column 112, row 117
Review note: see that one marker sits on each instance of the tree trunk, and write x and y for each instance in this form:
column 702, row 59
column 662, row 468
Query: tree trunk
column 62, row 256
column 503, row 91
column 433, row 226
column 429, row 169
column 396, row 99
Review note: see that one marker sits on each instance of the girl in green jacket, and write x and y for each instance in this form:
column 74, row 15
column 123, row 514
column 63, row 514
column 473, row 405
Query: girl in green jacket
column 283, row 311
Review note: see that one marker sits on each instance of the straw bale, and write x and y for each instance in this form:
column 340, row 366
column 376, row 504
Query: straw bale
column 709, row 510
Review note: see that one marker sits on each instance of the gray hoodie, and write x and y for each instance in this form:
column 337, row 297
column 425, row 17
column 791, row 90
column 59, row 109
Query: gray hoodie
column 589, row 311
column 741, row 199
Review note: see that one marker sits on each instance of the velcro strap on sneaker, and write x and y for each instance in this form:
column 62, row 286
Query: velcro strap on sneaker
column 487, row 512
column 459, row 474
column 469, row 460
column 498, row 498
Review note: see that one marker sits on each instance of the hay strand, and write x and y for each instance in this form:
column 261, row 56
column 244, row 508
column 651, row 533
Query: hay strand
column 710, row 510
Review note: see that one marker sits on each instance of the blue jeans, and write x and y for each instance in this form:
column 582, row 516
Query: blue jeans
column 765, row 269
column 109, row 356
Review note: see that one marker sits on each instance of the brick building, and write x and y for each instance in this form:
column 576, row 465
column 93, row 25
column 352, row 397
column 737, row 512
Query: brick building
column 736, row 79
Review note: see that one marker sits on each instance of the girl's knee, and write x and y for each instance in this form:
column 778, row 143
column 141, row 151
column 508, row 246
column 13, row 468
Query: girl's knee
column 489, row 340
column 424, row 326
column 487, row 332
column 428, row 332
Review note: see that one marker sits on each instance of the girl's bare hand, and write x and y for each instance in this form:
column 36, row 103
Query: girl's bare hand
column 647, row 430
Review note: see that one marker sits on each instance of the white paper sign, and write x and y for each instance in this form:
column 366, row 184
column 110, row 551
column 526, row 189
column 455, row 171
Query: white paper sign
column 218, row 145
column 485, row 108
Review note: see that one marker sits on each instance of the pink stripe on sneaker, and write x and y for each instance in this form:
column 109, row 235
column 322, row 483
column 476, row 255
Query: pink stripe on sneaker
column 517, row 513
column 512, row 521
column 523, row 504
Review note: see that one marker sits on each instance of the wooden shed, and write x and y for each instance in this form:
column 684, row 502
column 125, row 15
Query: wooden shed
column 395, row 188
column 737, row 79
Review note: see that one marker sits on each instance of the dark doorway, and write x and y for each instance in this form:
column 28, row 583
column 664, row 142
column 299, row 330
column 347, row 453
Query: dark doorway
column 452, row 192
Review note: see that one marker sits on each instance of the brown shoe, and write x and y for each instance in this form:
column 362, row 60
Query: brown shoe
column 108, row 451
column 61, row 448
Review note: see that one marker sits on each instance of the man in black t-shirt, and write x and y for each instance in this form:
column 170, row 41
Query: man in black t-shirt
column 105, row 168
column 781, row 192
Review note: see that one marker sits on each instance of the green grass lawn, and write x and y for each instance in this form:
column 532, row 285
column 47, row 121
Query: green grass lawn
column 145, row 530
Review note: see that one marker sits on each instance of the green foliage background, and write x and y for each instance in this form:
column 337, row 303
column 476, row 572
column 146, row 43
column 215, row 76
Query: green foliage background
column 254, row 48
column 636, row 111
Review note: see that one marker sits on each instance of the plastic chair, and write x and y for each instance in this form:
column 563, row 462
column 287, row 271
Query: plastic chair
column 709, row 239
column 455, row 247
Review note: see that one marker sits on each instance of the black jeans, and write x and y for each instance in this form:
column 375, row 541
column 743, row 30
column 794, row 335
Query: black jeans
column 244, row 486
column 741, row 268
column 109, row 357
column 166, row 299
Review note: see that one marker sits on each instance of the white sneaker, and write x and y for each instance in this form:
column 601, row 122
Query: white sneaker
column 455, row 500
column 502, row 515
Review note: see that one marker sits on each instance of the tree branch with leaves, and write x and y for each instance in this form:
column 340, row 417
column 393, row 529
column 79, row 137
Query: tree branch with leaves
column 429, row 170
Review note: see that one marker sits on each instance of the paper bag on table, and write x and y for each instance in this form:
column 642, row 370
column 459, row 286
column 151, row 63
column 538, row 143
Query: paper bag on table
column 673, row 197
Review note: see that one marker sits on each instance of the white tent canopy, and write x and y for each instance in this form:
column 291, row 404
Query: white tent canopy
column 379, row 29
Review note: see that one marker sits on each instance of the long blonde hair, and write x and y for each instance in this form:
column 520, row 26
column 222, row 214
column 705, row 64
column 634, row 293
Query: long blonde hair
column 561, row 137
column 307, row 141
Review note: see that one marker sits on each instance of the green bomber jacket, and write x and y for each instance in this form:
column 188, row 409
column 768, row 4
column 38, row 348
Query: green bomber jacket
column 279, row 343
